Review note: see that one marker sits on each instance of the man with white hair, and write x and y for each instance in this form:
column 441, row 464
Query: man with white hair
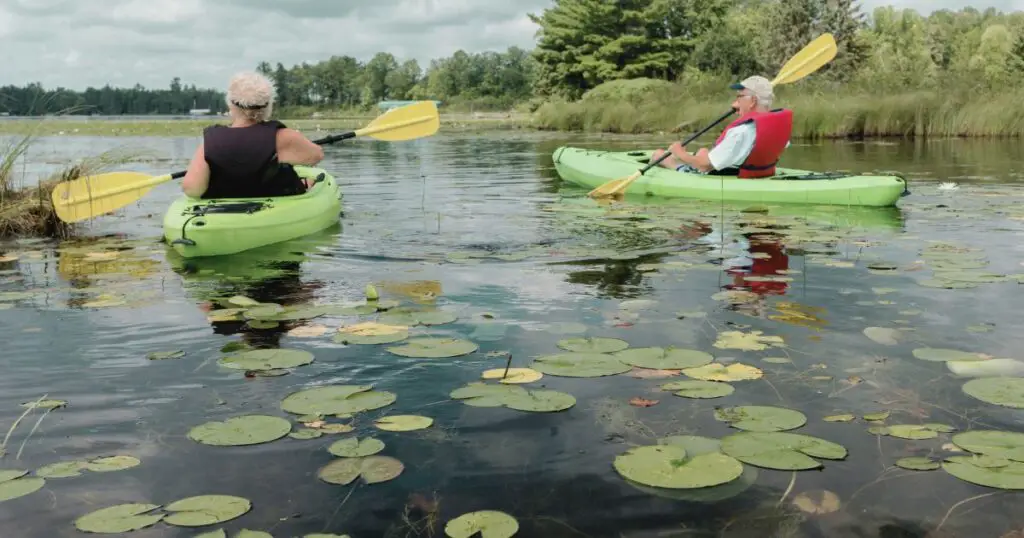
column 252, row 157
column 748, row 147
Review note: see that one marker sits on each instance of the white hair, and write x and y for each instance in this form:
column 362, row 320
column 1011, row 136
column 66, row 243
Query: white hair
column 251, row 95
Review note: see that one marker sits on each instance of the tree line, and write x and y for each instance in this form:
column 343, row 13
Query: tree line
column 584, row 43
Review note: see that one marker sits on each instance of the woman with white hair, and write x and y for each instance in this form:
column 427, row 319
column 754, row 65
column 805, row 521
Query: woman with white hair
column 252, row 157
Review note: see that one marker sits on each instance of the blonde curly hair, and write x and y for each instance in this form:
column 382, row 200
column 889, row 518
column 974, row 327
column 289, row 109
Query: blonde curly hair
column 251, row 95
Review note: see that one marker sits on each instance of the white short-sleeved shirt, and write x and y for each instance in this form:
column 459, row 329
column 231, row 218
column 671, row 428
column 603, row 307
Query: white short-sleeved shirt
column 735, row 147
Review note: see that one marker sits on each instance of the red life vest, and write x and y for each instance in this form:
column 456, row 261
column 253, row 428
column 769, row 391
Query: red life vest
column 773, row 131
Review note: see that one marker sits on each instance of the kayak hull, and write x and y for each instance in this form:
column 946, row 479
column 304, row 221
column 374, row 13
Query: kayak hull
column 199, row 228
column 591, row 168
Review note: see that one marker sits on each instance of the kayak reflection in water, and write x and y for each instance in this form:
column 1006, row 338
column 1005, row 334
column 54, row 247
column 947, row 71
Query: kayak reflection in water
column 252, row 157
column 748, row 147
column 286, row 288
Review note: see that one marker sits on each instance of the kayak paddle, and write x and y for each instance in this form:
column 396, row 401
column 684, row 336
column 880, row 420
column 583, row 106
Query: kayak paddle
column 90, row 196
column 816, row 54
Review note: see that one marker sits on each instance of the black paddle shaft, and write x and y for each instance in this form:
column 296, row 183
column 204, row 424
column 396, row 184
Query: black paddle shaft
column 325, row 140
column 688, row 140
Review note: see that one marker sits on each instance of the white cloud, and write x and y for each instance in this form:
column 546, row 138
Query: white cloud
column 79, row 43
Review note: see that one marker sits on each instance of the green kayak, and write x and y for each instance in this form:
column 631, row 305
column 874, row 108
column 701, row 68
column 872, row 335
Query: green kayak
column 197, row 228
column 591, row 168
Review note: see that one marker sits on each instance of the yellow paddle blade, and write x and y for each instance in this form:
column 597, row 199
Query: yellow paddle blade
column 816, row 54
column 405, row 123
column 613, row 187
column 89, row 196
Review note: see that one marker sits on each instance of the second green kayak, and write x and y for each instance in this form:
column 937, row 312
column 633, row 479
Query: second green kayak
column 215, row 227
column 591, row 168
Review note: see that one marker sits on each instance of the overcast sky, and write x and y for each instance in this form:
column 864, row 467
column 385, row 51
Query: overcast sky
column 78, row 43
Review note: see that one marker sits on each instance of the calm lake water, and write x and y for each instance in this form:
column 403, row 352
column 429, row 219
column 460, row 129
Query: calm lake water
column 524, row 261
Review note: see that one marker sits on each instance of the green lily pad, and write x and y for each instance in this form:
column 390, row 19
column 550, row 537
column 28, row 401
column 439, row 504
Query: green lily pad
column 696, row 445
column 1010, row 476
column 488, row 523
column 943, row 355
column 540, row 401
column 303, row 434
column 884, row 335
column 262, row 324
column 63, row 469
column 336, row 399
column 403, row 423
column 119, row 519
column 371, row 333
column 350, row 310
column 45, row 404
column 262, row 311
column 981, row 460
column 579, row 365
column 483, row 395
column 165, row 355
column 846, row 417
column 267, row 359
column 667, row 466
column 434, row 348
column 695, row 388
column 781, row 450
column 353, row 447
column 417, row 317
column 970, row 277
column 945, row 284
column 595, row 344
column 918, row 463
column 19, row 487
column 112, row 463
column 1004, row 391
column 241, row 431
column 242, row 301
column 657, row 358
column 206, row 510
column 1009, row 445
column 777, row 360
column 912, row 432
column 881, row 415
column 758, row 418
column 373, row 469
column 7, row 475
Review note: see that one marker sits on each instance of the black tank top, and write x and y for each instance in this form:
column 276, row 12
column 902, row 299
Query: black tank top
column 243, row 162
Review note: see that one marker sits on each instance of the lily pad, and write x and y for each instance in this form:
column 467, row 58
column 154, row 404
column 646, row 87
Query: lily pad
column 758, row 418
column 1004, row 391
column 165, row 355
column 657, row 358
column 540, row 401
column 434, row 348
column 513, row 376
column 884, row 335
column 776, row 360
column 11, row 474
column 694, row 446
column 262, row 324
column 846, row 417
column 595, row 344
column 696, row 388
column 267, row 359
column 782, row 451
column 417, row 317
column 45, row 404
column 488, row 523
column 752, row 341
column 667, row 466
column 1009, row 445
column 303, row 434
column 353, row 447
column 119, row 519
column 943, row 355
column 112, row 463
column 720, row 372
column 241, row 431
column 912, row 432
column 403, row 423
column 881, row 415
column 373, row 470
column 299, row 313
column 336, row 399
column 63, row 469
column 1010, row 476
column 371, row 333
column 918, row 463
column 19, row 487
column 206, row 510
column 579, row 365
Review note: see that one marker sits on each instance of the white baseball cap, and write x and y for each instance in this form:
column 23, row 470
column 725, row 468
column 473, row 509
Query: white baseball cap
column 760, row 87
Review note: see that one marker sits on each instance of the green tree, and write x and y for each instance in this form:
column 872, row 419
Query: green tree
column 403, row 79
column 375, row 76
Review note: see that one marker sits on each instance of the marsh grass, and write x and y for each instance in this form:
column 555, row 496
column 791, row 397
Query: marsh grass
column 29, row 211
column 820, row 111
